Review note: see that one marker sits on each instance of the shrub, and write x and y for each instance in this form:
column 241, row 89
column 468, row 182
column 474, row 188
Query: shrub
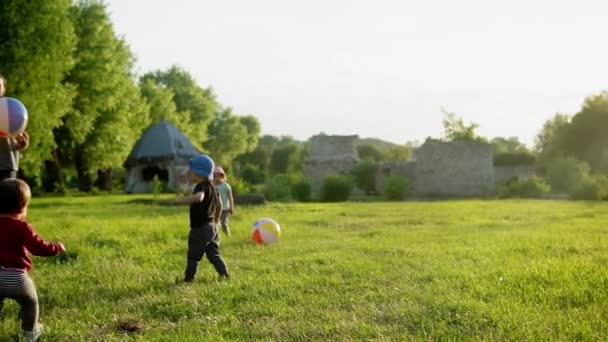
column 279, row 187
column 396, row 188
column 565, row 174
column 158, row 186
column 534, row 187
column 239, row 186
column 252, row 174
column 364, row 175
column 509, row 159
column 301, row 190
column 592, row 187
column 336, row 188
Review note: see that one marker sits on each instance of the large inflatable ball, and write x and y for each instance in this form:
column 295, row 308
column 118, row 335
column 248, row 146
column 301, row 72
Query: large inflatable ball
column 13, row 117
column 265, row 231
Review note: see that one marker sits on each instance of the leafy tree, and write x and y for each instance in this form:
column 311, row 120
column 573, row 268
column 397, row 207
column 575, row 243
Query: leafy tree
column 370, row 152
column 455, row 129
column 398, row 153
column 565, row 174
column 364, row 174
column 286, row 159
column 37, row 41
column 108, row 112
column 196, row 106
column 260, row 157
column 512, row 145
column 252, row 124
column 547, row 142
column 227, row 137
column 160, row 102
column 585, row 137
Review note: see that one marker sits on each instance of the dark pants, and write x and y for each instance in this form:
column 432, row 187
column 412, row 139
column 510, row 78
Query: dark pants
column 19, row 286
column 4, row 174
column 204, row 240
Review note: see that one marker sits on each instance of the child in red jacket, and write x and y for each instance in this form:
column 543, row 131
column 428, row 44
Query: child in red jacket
column 17, row 240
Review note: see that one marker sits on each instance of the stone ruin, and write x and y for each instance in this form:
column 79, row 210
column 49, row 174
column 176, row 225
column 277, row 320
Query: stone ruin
column 330, row 155
column 442, row 169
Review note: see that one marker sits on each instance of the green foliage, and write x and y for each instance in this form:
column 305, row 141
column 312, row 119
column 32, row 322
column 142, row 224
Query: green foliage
column 398, row 153
column 239, row 186
column 301, row 190
column 278, row 188
column 455, row 129
column 515, row 158
column 226, row 137
column 510, row 145
column 585, row 137
column 158, row 187
column 370, row 152
column 196, row 106
column 336, row 188
column 475, row 270
column 37, row 42
column 534, row 187
column 252, row 174
column 364, row 175
column 592, row 187
column 565, row 174
column 286, row 158
column 396, row 188
column 548, row 141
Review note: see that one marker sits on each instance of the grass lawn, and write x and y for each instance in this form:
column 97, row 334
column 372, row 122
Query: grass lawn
column 451, row 270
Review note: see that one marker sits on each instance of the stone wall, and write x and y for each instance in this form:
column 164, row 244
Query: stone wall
column 330, row 155
column 459, row 168
column 405, row 169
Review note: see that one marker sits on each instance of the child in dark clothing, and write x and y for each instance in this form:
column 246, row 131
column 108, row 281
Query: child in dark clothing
column 205, row 209
column 17, row 240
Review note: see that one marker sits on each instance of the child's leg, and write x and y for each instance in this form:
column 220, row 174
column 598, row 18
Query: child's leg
column 196, row 248
column 212, row 251
column 224, row 221
column 19, row 286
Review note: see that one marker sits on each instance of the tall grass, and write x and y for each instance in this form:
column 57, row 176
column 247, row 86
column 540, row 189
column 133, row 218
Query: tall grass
column 454, row 270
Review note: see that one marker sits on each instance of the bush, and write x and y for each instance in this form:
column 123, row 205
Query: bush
column 279, row 187
column 565, row 174
column 510, row 159
column 239, row 186
column 364, row 175
column 534, row 187
column 252, row 174
column 592, row 187
column 396, row 188
column 336, row 188
column 301, row 190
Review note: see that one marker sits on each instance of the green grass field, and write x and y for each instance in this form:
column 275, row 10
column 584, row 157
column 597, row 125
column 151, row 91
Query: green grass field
column 450, row 270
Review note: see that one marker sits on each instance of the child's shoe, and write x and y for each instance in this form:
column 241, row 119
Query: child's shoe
column 34, row 335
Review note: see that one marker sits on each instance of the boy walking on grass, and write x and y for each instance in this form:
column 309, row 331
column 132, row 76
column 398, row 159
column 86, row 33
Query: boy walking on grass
column 205, row 209
column 17, row 240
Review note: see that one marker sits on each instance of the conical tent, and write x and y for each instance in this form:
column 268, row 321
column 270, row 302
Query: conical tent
column 163, row 152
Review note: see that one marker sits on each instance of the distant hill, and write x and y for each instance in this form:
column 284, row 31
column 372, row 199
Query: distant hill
column 378, row 143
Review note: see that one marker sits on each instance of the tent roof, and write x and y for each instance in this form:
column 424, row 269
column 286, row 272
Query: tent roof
column 161, row 141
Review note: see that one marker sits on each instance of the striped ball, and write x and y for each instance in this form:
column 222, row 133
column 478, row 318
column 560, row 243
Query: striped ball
column 265, row 231
column 13, row 117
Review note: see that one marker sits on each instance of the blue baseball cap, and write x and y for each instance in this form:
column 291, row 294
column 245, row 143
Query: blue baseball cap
column 202, row 165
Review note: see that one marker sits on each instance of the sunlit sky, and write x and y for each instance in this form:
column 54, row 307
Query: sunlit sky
column 381, row 68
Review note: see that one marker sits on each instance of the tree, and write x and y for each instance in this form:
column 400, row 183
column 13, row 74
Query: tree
column 455, row 129
column 364, row 175
column 196, row 106
column 37, row 41
column 398, row 153
column 511, row 145
column 547, row 141
column 108, row 113
column 585, row 137
column 370, row 152
column 227, row 137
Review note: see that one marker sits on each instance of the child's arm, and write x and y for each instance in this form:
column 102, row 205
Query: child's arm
column 34, row 243
column 231, row 200
column 194, row 198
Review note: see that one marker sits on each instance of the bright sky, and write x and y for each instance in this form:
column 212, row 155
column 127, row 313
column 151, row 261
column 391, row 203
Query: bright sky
column 379, row 68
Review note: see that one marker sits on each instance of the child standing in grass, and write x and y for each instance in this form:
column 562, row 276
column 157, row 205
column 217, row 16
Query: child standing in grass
column 205, row 209
column 225, row 191
column 17, row 240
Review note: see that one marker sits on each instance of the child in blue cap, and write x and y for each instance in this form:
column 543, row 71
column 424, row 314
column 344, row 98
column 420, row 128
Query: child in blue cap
column 205, row 209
